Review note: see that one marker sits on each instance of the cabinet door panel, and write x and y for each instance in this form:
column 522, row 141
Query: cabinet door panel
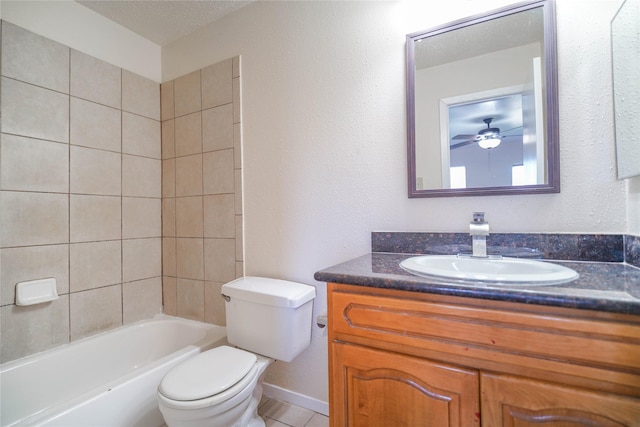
column 518, row 402
column 377, row 388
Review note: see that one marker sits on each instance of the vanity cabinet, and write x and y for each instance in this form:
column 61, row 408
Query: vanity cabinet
column 399, row 358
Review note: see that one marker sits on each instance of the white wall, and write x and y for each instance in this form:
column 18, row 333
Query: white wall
column 80, row 28
column 324, row 133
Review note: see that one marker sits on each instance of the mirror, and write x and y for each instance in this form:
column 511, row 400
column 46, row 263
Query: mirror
column 625, row 48
column 482, row 110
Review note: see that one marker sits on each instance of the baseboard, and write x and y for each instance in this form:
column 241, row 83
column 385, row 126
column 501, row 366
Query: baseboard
column 276, row 392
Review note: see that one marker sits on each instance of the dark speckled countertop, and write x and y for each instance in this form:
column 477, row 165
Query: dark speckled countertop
column 602, row 286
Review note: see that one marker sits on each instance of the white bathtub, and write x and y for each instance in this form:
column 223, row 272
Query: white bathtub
column 108, row 379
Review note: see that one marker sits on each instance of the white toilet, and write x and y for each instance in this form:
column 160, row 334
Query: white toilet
column 267, row 319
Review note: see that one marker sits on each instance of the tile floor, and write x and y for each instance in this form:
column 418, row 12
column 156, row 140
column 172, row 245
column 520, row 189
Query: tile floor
column 277, row 413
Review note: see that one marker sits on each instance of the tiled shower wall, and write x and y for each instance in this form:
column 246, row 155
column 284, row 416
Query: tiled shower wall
column 80, row 201
column 201, row 190
column 121, row 209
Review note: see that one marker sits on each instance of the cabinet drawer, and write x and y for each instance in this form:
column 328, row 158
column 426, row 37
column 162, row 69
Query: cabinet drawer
column 604, row 350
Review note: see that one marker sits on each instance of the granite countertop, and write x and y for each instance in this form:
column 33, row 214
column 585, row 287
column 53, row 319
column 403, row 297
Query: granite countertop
column 602, row 286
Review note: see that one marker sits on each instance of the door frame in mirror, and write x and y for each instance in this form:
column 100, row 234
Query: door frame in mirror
column 551, row 134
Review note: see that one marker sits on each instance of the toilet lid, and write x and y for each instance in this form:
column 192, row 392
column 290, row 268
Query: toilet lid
column 207, row 374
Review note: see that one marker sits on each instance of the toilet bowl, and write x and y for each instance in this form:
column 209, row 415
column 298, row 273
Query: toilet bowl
column 219, row 387
column 268, row 319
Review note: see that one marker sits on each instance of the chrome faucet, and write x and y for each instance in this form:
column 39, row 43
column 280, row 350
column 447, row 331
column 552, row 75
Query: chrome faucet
column 479, row 230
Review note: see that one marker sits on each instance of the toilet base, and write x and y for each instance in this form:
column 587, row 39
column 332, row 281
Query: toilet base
column 239, row 411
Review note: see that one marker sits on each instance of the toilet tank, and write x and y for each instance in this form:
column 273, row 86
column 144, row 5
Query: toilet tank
column 270, row 317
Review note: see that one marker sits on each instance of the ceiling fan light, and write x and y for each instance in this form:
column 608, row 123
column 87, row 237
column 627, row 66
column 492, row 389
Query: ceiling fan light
column 489, row 143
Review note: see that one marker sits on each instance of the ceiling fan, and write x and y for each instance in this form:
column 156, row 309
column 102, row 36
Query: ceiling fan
column 488, row 138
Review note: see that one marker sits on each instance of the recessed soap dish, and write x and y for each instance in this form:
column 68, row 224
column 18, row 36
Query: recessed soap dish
column 36, row 291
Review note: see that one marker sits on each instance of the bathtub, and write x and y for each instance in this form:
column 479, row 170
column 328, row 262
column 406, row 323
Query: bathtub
column 108, row 379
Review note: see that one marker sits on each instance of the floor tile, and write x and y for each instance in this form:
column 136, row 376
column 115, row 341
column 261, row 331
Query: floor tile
column 286, row 413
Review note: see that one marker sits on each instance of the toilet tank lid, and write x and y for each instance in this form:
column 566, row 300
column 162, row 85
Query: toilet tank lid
column 263, row 290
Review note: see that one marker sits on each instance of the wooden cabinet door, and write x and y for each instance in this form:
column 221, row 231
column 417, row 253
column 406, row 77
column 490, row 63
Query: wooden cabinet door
column 371, row 388
column 518, row 402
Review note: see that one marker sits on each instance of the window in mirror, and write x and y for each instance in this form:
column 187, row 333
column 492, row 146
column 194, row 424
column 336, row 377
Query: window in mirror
column 482, row 95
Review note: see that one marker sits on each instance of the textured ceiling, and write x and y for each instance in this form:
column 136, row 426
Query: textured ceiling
column 163, row 21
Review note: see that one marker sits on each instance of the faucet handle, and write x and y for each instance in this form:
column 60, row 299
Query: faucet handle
column 478, row 217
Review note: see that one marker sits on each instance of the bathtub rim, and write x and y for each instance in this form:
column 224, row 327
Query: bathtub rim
column 214, row 335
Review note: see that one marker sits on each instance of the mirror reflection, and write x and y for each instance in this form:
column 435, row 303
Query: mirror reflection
column 625, row 46
column 482, row 110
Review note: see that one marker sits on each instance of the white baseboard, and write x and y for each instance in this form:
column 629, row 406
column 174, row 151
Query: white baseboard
column 279, row 393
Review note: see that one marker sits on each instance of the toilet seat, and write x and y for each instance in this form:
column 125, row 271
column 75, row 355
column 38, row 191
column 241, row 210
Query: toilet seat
column 208, row 378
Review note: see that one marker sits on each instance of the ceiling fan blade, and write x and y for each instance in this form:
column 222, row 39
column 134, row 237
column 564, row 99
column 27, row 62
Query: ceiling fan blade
column 462, row 144
column 464, row 137
column 509, row 130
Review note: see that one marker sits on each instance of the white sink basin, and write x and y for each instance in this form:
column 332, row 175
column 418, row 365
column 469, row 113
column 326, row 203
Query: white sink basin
column 510, row 271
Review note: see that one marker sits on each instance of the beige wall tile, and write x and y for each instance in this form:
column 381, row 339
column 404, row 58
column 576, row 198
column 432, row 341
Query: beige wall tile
column 188, row 134
column 169, row 178
column 16, row 323
column 189, row 258
column 237, row 146
column 168, row 139
column 238, row 190
column 237, row 93
column 33, row 165
column 31, row 263
column 95, row 171
column 239, row 238
column 34, row 219
column 141, row 176
column 94, row 125
column 216, row 84
column 33, row 111
column 190, row 299
column 220, row 260
column 95, row 80
column 40, row 119
column 236, row 66
column 218, row 172
column 94, row 311
column 169, row 292
column 217, row 128
column 240, row 269
column 34, row 59
column 189, row 175
column 167, row 101
column 169, row 217
column 214, row 309
column 141, row 299
column 140, row 95
column 141, row 259
column 219, row 216
column 141, row 136
column 187, row 94
column 189, row 217
column 141, row 217
column 169, row 256
column 95, row 264
column 95, row 218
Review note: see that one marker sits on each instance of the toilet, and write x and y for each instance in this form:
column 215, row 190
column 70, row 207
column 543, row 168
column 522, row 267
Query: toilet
column 267, row 320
